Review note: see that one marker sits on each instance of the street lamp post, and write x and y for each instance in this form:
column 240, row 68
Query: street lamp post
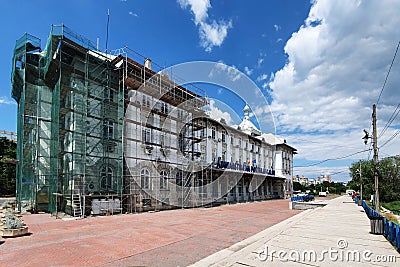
column 361, row 182
column 375, row 147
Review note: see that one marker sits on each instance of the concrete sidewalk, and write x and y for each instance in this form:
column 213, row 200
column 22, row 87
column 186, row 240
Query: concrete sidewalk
column 336, row 235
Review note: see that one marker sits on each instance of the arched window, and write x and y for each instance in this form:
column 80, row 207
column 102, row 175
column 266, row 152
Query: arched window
column 163, row 180
column 106, row 178
column 223, row 136
column 145, row 179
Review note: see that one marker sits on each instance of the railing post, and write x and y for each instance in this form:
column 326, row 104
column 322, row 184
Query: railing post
column 398, row 237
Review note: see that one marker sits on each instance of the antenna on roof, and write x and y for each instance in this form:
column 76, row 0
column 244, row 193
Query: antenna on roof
column 108, row 22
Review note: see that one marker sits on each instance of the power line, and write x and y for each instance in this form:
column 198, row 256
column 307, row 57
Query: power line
column 387, row 75
column 322, row 161
column 391, row 119
column 391, row 138
column 338, row 172
column 321, row 142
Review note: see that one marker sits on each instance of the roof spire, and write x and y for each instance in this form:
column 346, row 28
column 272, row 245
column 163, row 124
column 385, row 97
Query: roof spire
column 246, row 111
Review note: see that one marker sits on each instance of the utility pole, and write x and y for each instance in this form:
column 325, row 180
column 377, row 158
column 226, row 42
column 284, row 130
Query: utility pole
column 375, row 145
column 361, row 184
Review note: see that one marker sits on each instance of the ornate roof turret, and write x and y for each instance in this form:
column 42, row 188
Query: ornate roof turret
column 246, row 111
column 246, row 125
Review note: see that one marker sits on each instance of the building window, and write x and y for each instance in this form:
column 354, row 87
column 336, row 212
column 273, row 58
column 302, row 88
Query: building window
column 203, row 130
column 108, row 129
column 213, row 130
column 164, row 107
column 232, row 140
column 162, row 139
column 146, row 135
column 181, row 143
column 109, row 94
column 240, row 142
column 179, row 179
column 214, row 155
column 163, row 180
column 146, row 101
column 106, row 175
column 145, row 179
column 156, row 120
column 223, row 155
column 180, row 114
column 223, row 137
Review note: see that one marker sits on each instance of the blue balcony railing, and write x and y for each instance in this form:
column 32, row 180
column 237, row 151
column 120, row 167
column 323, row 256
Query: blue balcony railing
column 244, row 168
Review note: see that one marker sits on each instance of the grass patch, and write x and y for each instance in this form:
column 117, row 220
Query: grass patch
column 391, row 217
column 393, row 206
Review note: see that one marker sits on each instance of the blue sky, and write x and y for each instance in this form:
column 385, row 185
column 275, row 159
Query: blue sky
column 320, row 64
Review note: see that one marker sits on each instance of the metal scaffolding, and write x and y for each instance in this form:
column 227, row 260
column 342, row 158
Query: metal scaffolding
column 100, row 133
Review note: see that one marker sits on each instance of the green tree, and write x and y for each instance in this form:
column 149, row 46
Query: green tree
column 388, row 174
column 298, row 186
column 8, row 150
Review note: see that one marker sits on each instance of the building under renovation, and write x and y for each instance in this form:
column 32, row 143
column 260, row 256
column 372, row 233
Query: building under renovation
column 103, row 133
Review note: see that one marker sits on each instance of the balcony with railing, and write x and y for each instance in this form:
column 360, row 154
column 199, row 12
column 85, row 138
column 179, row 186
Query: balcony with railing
column 243, row 168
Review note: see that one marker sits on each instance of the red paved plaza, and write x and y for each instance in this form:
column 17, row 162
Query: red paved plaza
column 167, row 238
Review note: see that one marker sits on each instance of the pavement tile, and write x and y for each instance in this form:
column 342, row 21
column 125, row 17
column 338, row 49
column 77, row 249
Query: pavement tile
column 340, row 226
column 169, row 238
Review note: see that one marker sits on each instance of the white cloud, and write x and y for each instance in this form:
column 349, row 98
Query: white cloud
column 259, row 62
column 337, row 63
column 133, row 14
column 231, row 71
column 217, row 114
column 277, row 27
column 199, row 8
column 264, row 85
column 211, row 33
column 262, row 77
column 248, row 71
column 4, row 100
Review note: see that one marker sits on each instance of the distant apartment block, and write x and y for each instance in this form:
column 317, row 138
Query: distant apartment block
column 324, row 178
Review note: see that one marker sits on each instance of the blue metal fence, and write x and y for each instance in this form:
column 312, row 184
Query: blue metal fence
column 391, row 230
column 371, row 213
column 302, row 198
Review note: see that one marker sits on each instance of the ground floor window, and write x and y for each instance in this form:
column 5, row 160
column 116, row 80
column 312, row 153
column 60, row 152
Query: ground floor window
column 145, row 179
column 163, row 180
column 106, row 177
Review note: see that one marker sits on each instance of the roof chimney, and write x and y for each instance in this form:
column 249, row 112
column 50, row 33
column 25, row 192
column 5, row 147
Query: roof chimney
column 147, row 63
